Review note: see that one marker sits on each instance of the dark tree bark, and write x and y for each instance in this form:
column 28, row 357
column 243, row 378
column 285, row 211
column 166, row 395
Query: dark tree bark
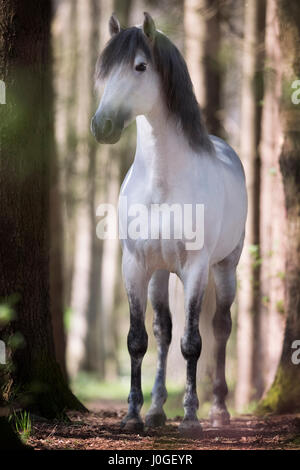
column 27, row 149
column 284, row 394
column 56, row 268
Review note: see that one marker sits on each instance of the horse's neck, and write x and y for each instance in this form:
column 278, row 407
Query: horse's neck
column 162, row 151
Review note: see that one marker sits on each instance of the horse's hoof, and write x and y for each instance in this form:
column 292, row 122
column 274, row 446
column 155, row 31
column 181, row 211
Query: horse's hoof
column 190, row 429
column 219, row 419
column 134, row 425
column 155, row 420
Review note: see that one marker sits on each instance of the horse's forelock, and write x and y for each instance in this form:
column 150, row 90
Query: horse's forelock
column 122, row 48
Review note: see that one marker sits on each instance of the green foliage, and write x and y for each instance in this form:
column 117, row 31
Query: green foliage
column 281, row 275
column 265, row 300
column 250, row 408
column 6, row 314
column 67, row 318
column 255, row 255
column 280, row 306
column 272, row 171
column 16, row 341
column 22, row 423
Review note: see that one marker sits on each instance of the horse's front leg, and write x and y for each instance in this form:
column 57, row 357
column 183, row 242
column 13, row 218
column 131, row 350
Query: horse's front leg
column 194, row 286
column 136, row 284
column 162, row 327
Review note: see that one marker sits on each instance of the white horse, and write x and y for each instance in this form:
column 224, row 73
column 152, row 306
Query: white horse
column 176, row 162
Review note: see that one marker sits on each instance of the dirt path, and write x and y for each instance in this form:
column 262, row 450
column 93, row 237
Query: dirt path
column 100, row 430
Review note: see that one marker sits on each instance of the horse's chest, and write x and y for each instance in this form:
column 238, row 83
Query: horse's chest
column 161, row 254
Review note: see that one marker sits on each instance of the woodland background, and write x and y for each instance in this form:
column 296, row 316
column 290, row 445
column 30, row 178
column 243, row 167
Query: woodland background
column 64, row 314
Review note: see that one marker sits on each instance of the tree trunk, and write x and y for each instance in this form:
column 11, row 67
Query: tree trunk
column 272, row 210
column 26, row 154
column 248, row 337
column 56, row 268
column 283, row 396
column 202, row 52
column 65, row 54
column 83, row 300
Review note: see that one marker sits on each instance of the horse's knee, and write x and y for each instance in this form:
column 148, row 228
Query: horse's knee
column 137, row 340
column 191, row 345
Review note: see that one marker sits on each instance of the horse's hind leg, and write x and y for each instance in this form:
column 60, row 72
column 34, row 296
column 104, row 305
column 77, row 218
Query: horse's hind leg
column 225, row 281
column 162, row 327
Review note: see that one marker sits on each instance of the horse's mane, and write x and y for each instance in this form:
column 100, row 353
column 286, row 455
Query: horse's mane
column 175, row 79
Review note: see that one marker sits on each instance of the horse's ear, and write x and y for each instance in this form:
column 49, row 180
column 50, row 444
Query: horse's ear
column 114, row 25
column 149, row 26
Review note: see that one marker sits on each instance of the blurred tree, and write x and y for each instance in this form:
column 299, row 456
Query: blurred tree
column 56, row 266
column 27, row 150
column 249, row 377
column 284, row 394
column 95, row 179
column 123, row 10
column 272, row 236
column 86, row 273
column 65, row 60
column 202, row 51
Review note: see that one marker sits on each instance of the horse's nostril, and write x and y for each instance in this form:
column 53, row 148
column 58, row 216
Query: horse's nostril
column 107, row 127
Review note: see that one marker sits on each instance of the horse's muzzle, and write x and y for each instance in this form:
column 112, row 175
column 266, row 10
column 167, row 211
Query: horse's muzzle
column 106, row 130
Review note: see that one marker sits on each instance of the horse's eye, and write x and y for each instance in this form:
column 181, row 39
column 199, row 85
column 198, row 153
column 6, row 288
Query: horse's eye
column 141, row 67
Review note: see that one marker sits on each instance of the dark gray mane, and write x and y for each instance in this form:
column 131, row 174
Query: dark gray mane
column 175, row 79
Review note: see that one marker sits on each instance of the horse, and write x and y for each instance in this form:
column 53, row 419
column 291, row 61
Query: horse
column 146, row 79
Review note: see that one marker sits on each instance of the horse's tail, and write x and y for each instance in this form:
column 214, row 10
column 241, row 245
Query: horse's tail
column 208, row 309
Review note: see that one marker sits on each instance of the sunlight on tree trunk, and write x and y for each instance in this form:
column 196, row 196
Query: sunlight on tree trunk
column 65, row 62
column 202, row 52
column 272, row 211
column 248, row 339
column 84, row 232
column 195, row 37
column 283, row 396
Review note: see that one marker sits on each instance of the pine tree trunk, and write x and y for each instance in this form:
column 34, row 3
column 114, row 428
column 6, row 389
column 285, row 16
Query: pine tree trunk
column 56, row 268
column 202, row 52
column 248, row 337
column 26, row 141
column 284, row 393
column 272, row 210
column 84, row 181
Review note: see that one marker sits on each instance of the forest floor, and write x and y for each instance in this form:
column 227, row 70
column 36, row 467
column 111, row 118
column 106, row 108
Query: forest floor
column 100, row 430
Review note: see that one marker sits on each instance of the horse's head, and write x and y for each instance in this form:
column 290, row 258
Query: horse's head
column 131, row 83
